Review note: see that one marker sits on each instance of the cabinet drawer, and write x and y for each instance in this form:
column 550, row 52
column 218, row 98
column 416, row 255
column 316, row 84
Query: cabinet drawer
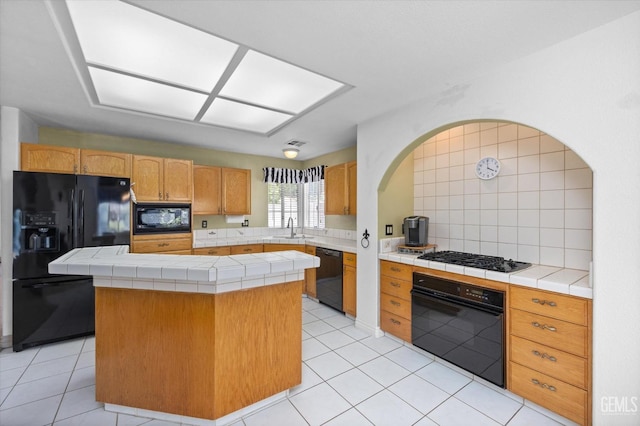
column 550, row 304
column 398, row 326
column 213, row 251
column 395, row 287
column 349, row 259
column 552, row 332
column 556, row 395
column 396, row 306
column 396, row 270
column 553, row 362
column 246, row 248
column 156, row 246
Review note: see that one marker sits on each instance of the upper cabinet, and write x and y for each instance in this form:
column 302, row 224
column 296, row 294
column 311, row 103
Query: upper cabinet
column 221, row 190
column 48, row 158
column 162, row 179
column 59, row 159
column 340, row 183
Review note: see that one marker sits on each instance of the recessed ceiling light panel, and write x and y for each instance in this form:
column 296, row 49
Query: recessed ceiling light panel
column 262, row 80
column 127, row 38
column 137, row 94
column 240, row 116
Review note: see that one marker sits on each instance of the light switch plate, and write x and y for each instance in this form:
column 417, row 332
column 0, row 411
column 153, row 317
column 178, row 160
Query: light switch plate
column 388, row 230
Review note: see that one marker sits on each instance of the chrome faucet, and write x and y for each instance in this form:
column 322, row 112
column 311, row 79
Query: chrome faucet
column 290, row 224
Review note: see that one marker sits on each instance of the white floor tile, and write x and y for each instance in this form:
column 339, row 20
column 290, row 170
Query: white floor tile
column 425, row 421
column 329, row 365
column 382, row 345
column 409, row 359
column 355, row 332
column 12, row 360
column 357, row 353
column 335, row 339
column 36, row 390
column 317, row 328
column 384, row 371
column 127, row 420
column 453, row 412
column 527, row 416
column 320, row 404
column 308, row 317
column 443, row 377
column 89, row 344
column 306, row 335
column 49, row 368
column 355, row 386
column 339, row 321
column 39, row 412
column 86, row 359
column 97, row 417
column 323, row 312
column 309, row 380
column 77, row 402
column 282, row 413
column 497, row 406
column 4, row 393
column 8, row 378
column 420, row 394
column 349, row 418
column 385, row 408
column 81, row 378
column 311, row 348
column 160, row 423
column 58, row 350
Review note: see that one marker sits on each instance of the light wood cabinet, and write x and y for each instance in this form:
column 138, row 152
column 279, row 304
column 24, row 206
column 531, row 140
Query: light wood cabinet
column 310, row 275
column 395, row 299
column 340, row 186
column 221, row 190
column 212, row 251
column 49, row 158
column 550, row 351
column 247, row 249
column 349, row 292
column 283, row 247
column 162, row 244
column 162, row 179
column 105, row 163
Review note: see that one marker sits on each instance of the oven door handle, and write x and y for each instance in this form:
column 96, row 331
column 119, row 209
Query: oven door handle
column 456, row 301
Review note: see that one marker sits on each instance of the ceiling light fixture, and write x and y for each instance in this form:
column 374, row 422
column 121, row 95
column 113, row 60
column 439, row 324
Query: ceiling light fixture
column 290, row 152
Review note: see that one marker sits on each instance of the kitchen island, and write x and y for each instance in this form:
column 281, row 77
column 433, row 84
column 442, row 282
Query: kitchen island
column 193, row 339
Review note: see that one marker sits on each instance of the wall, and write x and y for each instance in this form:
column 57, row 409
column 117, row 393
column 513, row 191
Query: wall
column 255, row 163
column 395, row 200
column 584, row 92
column 537, row 210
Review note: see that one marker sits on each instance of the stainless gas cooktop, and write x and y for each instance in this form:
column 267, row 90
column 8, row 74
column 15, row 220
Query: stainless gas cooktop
column 490, row 263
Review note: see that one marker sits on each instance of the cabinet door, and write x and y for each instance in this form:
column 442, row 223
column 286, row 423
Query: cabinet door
column 246, row 249
column 236, row 191
column 335, row 189
column 353, row 186
column 48, row 158
column 178, row 180
column 310, row 274
column 105, row 163
column 349, row 290
column 147, row 178
column 206, row 190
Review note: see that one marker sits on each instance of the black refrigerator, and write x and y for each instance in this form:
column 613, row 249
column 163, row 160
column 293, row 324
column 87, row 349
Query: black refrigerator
column 52, row 214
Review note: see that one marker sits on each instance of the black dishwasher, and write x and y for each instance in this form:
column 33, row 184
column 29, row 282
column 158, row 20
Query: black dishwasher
column 329, row 278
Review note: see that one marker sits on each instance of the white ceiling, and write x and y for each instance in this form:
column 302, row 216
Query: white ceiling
column 392, row 52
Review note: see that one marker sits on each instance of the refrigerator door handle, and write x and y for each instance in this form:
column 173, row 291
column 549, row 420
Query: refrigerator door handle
column 80, row 242
column 71, row 213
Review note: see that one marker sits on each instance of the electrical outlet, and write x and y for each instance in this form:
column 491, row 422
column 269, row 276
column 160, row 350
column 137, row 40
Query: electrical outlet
column 388, row 230
column 204, row 223
column 245, row 223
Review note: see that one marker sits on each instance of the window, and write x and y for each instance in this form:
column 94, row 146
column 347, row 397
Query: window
column 303, row 202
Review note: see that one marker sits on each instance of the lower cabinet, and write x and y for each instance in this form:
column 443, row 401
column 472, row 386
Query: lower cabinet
column 212, row 251
column 310, row 275
column 247, row 249
column 395, row 299
column 550, row 351
column 162, row 244
column 349, row 261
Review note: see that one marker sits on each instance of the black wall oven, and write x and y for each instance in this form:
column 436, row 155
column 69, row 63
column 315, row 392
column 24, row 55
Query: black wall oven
column 460, row 323
column 161, row 218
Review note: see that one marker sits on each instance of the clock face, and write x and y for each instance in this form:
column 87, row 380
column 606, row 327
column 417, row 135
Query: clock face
column 487, row 168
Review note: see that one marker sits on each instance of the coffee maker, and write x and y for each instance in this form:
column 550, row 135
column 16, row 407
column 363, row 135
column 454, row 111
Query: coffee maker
column 416, row 230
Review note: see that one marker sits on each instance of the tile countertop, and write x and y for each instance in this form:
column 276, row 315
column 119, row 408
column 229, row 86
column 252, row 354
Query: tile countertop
column 315, row 240
column 567, row 281
column 115, row 267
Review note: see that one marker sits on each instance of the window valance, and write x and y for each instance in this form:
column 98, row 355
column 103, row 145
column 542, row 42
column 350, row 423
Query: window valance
column 280, row 175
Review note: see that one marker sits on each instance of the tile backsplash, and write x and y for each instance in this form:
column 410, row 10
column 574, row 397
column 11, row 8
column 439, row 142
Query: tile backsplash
column 247, row 232
column 538, row 209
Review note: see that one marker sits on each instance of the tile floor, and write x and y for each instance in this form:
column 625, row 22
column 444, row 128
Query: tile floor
column 349, row 378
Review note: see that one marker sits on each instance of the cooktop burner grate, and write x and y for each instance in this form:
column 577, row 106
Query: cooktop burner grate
column 490, row 263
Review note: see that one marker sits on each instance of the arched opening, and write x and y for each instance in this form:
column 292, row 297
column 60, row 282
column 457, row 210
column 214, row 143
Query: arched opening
column 538, row 209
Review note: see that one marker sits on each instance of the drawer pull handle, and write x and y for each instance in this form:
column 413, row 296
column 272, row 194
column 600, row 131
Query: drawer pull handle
column 247, row 249
column 394, row 269
column 163, row 244
column 394, row 303
column 544, row 355
column 395, row 321
column 544, row 302
column 543, row 326
column 543, row 385
column 394, row 284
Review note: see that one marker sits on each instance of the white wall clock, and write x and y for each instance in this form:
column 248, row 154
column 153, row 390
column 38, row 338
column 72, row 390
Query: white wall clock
column 487, row 168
